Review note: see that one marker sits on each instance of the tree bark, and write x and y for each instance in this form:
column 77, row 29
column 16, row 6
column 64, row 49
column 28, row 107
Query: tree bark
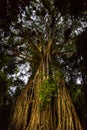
column 58, row 114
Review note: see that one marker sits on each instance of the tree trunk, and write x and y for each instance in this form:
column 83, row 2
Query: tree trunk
column 58, row 114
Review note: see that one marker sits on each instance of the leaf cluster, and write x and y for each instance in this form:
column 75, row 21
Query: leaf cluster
column 47, row 90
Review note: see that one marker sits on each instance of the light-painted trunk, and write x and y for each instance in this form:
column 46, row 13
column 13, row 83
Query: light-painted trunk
column 58, row 114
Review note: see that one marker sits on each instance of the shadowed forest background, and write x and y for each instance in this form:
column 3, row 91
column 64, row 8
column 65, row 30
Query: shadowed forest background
column 43, row 65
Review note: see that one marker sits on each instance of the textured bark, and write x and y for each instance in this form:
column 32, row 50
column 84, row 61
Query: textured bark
column 58, row 114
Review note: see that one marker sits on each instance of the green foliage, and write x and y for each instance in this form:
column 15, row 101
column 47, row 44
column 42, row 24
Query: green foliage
column 47, row 90
column 34, row 23
column 2, row 76
column 4, row 86
column 58, row 75
column 70, row 47
column 77, row 94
